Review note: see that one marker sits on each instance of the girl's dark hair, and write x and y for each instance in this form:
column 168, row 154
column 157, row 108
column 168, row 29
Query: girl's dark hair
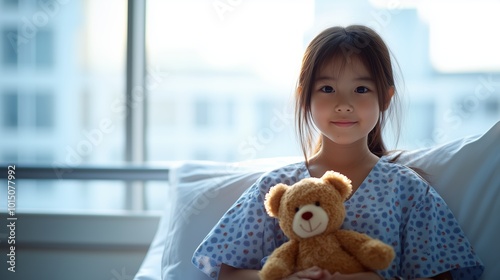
column 344, row 44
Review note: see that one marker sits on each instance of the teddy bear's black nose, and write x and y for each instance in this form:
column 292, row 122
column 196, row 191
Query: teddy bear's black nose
column 307, row 215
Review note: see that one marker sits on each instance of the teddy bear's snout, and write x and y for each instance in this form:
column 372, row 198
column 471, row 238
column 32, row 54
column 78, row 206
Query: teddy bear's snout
column 310, row 220
column 307, row 215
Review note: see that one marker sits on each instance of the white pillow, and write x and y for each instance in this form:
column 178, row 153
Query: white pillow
column 200, row 193
column 465, row 172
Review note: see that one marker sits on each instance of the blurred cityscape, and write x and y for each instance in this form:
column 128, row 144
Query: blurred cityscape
column 220, row 80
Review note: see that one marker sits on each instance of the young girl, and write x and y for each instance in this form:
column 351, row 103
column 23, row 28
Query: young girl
column 345, row 90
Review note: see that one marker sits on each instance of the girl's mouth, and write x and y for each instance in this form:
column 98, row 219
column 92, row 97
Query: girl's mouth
column 344, row 123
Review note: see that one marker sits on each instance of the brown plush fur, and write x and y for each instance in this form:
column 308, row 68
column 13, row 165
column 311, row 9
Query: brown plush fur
column 312, row 205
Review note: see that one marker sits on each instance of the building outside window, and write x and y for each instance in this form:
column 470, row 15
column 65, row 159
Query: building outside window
column 220, row 76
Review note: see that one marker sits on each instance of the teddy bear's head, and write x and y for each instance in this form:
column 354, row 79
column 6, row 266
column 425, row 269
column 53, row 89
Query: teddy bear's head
column 310, row 207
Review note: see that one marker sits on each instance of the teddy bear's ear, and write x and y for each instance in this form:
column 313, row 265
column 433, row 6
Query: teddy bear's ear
column 273, row 199
column 340, row 182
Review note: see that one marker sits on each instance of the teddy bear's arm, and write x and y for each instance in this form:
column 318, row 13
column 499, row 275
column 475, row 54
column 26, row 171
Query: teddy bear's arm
column 370, row 252
column 281, row 263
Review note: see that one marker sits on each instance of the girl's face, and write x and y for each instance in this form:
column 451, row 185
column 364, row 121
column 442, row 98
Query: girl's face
column 344, row 102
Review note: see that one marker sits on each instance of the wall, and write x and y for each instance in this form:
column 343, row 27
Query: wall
column 76, row 246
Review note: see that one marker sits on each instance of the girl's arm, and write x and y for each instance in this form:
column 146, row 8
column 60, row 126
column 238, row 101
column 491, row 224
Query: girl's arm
column 443, row 276
column 228, row 272
column 372, row 275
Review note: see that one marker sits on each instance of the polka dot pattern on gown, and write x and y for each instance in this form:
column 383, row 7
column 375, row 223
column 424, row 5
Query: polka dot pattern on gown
column 392, row 204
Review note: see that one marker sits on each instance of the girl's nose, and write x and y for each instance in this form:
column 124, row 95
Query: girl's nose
column 343, row 103
column 341, row 108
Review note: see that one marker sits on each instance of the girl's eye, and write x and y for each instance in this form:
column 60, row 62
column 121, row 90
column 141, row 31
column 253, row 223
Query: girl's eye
column 361, row 90
column 327, row 89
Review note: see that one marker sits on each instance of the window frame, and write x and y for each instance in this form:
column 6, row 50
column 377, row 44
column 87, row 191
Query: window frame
column 134, row 173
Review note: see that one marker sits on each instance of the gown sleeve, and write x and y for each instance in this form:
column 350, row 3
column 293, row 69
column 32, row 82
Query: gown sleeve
column 432, row 240
column 244, row 236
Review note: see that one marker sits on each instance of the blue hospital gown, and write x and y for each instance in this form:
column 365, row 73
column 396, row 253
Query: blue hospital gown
column 392, row 204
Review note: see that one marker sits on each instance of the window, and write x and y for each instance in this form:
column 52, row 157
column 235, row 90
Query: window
column 9, row 49
column 44, row 110
column 217, row 67
column 10, row 4
column 37, row 110
column 62, row 66
column 220, row 76
column 202, row 113
column 44, row 49
column 10, row 110
column 463, row 36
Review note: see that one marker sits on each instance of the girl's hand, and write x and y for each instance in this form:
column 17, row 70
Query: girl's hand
column 313, row 273
column 355, row 276
column 316, row 273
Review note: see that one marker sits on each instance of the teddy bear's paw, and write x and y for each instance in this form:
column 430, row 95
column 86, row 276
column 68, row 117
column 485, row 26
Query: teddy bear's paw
column 377, row 255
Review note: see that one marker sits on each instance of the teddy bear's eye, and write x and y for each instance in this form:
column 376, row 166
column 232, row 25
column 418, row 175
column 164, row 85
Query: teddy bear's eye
column 317, row 203
column 296, row 209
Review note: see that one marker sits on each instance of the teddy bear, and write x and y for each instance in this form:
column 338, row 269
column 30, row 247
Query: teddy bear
column 310, row 213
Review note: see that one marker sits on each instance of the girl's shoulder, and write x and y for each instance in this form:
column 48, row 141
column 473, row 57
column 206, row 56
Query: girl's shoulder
column 288, row 174
column 394, row 170
column 402, row 180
